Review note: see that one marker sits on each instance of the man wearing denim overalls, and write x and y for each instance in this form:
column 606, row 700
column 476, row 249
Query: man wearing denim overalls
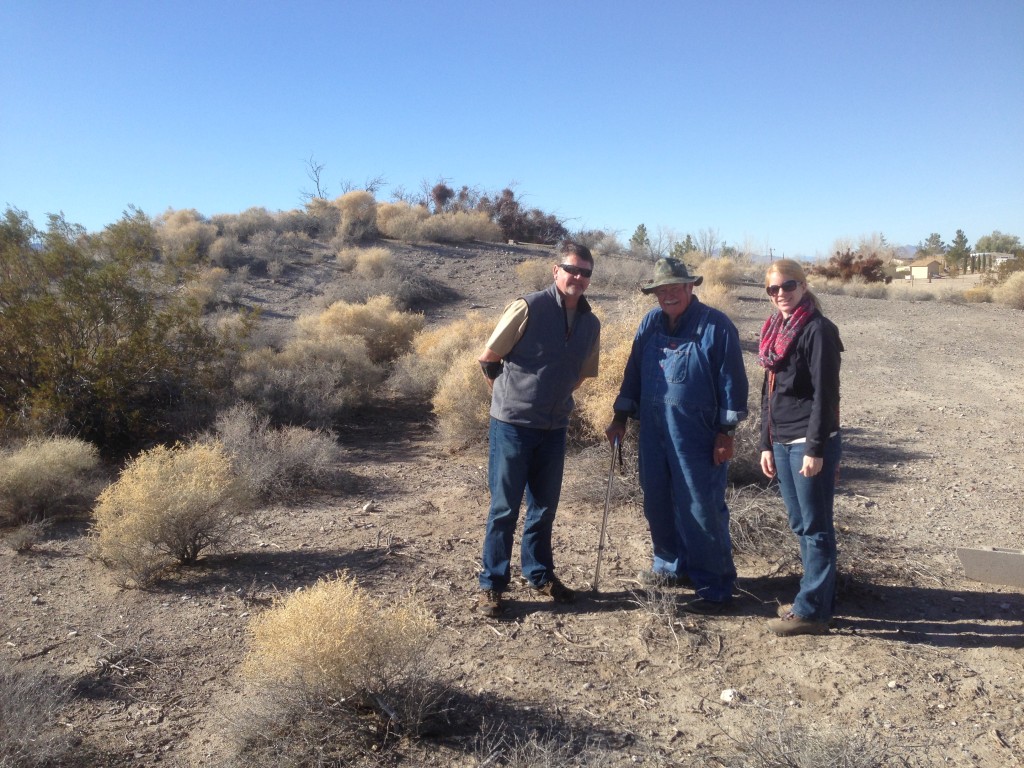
column 686, row 384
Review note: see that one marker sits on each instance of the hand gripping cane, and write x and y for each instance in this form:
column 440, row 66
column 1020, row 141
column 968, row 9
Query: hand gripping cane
column 616, row 449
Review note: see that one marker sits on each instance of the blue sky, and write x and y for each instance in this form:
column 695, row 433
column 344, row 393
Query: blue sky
column 779, row 125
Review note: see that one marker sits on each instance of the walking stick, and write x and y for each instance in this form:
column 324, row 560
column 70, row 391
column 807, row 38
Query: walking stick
column 616, row 449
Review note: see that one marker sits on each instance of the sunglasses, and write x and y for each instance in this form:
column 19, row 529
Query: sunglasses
column 789, row 286
column 576, row 271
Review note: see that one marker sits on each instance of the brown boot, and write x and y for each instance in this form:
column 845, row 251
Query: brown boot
column 791, row 624
column 489, row 603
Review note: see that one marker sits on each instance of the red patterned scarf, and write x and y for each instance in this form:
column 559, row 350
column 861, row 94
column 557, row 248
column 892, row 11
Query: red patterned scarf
column 779, row 333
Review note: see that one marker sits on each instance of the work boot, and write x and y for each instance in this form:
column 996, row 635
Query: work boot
column 556, row 590
column 791, row 624
column 489, row 603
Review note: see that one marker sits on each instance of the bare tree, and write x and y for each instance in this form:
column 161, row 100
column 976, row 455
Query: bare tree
column 314, row 171
column 707, row 242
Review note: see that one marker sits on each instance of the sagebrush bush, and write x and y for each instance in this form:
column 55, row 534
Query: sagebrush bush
column 458, row 227
column 400, row 221
column 185, row 234
column 309, row 382
column 47, row 477
column 358, row 216
column 534, row 274
column 168, row 506
column 434, row 351
column 32, row 730
column 242, row 226
column 462, row 404
column 336, row 640
column 719, row 271
column 717, row 295
column 276, row 463
column 386, row 331
column 978, row 294
column 1011, row 291
column 373, row 263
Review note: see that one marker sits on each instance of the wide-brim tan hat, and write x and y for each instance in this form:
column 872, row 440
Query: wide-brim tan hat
column 670, row 272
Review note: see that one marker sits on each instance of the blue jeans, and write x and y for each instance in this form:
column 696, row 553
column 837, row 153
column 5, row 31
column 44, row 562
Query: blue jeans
column 522, row 461
column 809, row 503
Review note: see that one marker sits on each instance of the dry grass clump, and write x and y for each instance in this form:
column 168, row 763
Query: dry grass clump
column 337, row 658
column 309, row 382
column 594, row 400
column 168, row 506
column 862, row 289
column 758, row 523
column 458, row 227
column 277, row 463
column 771, row 740
column 184, row 234
column 32, row 732
column 386, row 331
column 374, row 263
column 400, row 221
column 719, row 271
column 434, row 352
column 620, row 273
column 462, row 404
column 358, row 215
column 1011, row 291
column 717, row 295
column 534, row 274
column 47, row 477
column 414, row 223
column 978, row 294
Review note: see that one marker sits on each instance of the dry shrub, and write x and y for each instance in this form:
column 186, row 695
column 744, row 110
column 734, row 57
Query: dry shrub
column 32, row 730
column 594, row 400
column 46, row 478
column 459, row 226
column 386, row 332
column 347, row 664
column 358, row 215
column 209, row 287
column 621, row 273
column 771, row 740
column 347, row 257
column 310, row 381
column 534, row 274
column 720, row 271
column 434, row 352
column 462, row 404
column 335, row 639
column 276, row 463
column 858, row 287
column 168, row 506
column 185, row 234
column 758, row 524
column 717, row 295
column 226, row 251
column 374, row 263
column 400, row 221
column 978, row 294
column 1011, row 291
column 244, row 225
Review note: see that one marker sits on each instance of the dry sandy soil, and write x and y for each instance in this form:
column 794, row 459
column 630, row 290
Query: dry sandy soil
column 923, row 664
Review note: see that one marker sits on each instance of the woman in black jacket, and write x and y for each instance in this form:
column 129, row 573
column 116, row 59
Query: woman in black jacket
column 800, row 441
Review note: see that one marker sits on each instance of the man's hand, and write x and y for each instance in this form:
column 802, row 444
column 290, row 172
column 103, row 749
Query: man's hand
column 616, row 431
column 725, row 447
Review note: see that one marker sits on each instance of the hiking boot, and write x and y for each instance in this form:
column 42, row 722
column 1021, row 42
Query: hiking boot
column 556, row 590
column 703, row 607
column 489, row 603
column 660, row 579
column 791, row 624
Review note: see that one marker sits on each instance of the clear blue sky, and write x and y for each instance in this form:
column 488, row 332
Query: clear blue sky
column 781, row 125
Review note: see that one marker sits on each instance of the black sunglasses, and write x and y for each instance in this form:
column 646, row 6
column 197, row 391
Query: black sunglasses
column 789, row 286
column 576, row 271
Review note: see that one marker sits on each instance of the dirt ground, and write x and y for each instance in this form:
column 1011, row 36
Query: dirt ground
column 922, row 662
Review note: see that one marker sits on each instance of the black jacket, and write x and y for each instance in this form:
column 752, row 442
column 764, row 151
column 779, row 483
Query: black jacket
column 805, row 399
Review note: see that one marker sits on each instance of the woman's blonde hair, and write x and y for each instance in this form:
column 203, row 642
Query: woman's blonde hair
column 792, row 270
